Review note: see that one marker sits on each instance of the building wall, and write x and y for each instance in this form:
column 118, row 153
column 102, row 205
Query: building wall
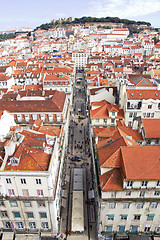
column 130, row 208
column 145, row 111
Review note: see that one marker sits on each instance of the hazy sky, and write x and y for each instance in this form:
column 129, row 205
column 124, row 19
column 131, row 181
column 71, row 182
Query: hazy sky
column 32, row 13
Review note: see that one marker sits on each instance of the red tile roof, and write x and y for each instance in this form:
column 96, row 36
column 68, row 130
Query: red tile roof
column 111, row 181
column 151, row 128
column 142, row 94
column 54, row 104
column 146, row 164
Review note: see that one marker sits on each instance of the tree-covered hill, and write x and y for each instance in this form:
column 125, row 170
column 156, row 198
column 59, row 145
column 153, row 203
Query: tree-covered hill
column 84, row 20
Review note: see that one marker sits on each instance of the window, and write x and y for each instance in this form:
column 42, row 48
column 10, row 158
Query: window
column 147, row 228
column 129, row 184
column 34, row 116
column 150, row 106
column 19, row 225
column 97, row 120
column 150, row 217
column 135, row 114
column 128, row 193
column 27, row 204
column 139, row 205
column 129, row 124
column 124, row 217
column 38, row 181
column 11, row 192
column 1, row 203
column 43, row 215
column 112, row 205
column 30, row 214
column 13, row 204
column 108, row 228
column 112, row 120
column 144, row 183
column 142, row 193
column 8, row 180
column 137, row 217
column 110, row 217
column 4, row 214
column 158, row 184
column 41, row 204
column 113, row 194
column 32, row 225
column 45, row 225
column 153, row 204
column 158, row 229
column 122, row 228
column 113, row 113
column 40, row 193
column 152, row 115
column 134, row 229
column 148, row 115
column 130, row 115
column 16, row 214
column 156, row 193
column 126, row 205
column 25, row 192
column 23, row 180
column 7, row 225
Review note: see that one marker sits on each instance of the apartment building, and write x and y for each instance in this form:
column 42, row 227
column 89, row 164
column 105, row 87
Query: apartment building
column 141, row 103
column 30, row 181
column 105, row 114
column 58, row 82
column 80, row 58
column 129, row 188
column 52, row 108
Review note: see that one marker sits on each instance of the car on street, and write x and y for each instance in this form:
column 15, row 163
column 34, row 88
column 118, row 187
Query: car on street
column 75, row 158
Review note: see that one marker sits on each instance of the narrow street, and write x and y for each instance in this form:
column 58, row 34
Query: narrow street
column 79, row 156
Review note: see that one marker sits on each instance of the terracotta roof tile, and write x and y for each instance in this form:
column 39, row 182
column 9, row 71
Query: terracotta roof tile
column 146, row 164
column 111, row 181
column 151, row 128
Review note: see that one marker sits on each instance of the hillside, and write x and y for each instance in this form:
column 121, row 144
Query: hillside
column 105, row 22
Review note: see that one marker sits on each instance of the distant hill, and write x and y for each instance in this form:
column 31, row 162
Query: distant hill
column 131, row 24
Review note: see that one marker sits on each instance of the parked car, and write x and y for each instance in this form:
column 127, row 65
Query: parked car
column 75, row 158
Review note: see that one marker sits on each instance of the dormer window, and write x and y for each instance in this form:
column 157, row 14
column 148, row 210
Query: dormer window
column 14, row 161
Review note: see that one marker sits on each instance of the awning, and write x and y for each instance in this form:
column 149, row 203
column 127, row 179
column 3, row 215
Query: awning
column 64, row 202
column 27, row 237
column 8, row 236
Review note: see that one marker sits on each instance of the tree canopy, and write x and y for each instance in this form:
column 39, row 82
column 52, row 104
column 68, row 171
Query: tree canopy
column 88, row 19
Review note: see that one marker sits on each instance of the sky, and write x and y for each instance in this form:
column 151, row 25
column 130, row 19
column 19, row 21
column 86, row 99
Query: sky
column 32, row 13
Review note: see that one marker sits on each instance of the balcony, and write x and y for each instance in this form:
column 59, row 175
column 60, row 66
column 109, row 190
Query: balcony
column 30, row 198
column 134, row 108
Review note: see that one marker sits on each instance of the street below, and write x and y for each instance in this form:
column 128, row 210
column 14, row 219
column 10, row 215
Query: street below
column 79, row 156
